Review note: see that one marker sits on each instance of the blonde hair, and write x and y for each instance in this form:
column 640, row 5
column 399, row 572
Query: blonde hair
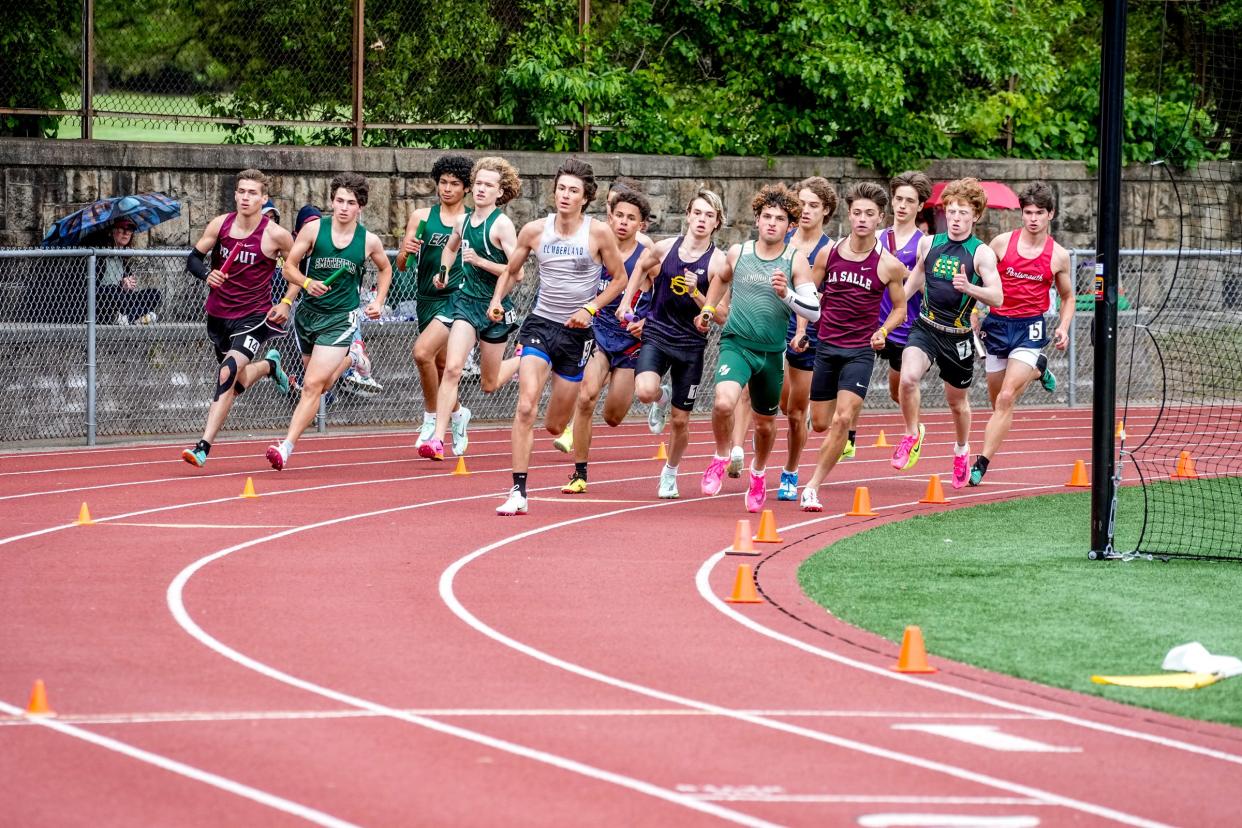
column 510, row 184
column 713, row 201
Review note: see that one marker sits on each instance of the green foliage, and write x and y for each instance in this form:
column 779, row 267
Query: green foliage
column 42, row 62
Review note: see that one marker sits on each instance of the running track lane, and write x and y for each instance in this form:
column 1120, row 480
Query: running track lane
column 360, row 621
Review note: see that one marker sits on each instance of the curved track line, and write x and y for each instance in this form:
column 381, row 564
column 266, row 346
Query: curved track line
column 189, row 771
column 707, row 595
column 177, row 606
column 450, row 598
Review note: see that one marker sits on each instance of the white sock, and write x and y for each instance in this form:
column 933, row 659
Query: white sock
column 738, row 451
column 758, row 472
column 958, row 451
column 455, row 416
column 670, row 469
column 429, row 417
column 664, row 398
column 286, row 448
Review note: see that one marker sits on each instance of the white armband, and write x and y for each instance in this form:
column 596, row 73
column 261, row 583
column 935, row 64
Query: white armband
column 803, row 301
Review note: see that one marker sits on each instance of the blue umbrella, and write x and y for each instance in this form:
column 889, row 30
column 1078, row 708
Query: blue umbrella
column 144, row 209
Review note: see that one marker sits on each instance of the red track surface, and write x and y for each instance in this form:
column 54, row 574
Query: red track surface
column 367, row 643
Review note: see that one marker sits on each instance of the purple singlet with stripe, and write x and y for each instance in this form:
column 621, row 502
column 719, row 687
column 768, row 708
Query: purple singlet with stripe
column 850, row 299
column 907, row 254
column 248, row 290
column 670, row 318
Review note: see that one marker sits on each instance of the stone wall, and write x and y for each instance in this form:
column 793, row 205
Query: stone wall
column 44, row 180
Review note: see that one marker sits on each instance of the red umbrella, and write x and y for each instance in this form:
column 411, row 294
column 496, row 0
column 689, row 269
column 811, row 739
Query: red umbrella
column 1000, row 196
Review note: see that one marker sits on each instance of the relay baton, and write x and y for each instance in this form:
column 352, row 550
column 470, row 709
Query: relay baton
column 328, row 281
column 224, row 268
column 629, row 317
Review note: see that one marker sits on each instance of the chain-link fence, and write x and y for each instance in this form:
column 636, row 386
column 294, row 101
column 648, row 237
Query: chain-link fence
column 108, row 343
column 379, row 72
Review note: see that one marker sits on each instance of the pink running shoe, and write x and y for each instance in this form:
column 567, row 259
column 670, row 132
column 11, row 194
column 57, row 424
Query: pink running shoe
column 756, row 493
column 714, row 476
column 908, row 450
column 961, row 470
column 275, row 458
column 433, row 449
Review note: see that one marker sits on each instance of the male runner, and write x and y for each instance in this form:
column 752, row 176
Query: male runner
column 681, row 270
column 556, row 337
column 1014, row 333
column 622, row 184
column 487, row 239
column 336, row 252
column 819, row 201
column 244, row 246
column 954, row 271
column 616, row 349
column 769, row 278
column 857, row 274
column 451, row 173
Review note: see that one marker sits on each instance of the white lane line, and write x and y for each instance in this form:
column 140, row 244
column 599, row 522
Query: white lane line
column 188, row 771
column 450, row 598
column 200, row 525
column 945, row 821
column 987, row 736
column 176, row 604
column 498, row 713
column 706, row 593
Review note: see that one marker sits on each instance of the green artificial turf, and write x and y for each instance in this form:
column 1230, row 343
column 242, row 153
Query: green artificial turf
column 1008, row 587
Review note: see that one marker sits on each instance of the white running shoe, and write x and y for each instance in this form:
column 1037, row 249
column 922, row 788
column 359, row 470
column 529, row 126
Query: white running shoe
column 810, row 500
column 355, row 382
column 427, row 431
column 458, row 423
column 668, row 484
column 515, row 504
column 657, row 417
column 737, row 458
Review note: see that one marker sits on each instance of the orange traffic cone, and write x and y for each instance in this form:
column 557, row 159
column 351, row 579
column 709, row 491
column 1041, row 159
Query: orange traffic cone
column 862, row 503
column 38, row 701
column 1078, row 477
column 913, row 656
column 661, row 452
column 1120, row 432
column 935, row 492
column 1185, row 467
column 744, row 591
column 461, row 470
column 742, row 544
column 84, row 516
column 248, row 489
column 767, row 528
column 881, row 441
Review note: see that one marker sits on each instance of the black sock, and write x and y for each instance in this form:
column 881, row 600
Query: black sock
column 981, row 463
column 580, row 470
column 204, row 447
column 853, row 434
column 271, row 367
column 519, row 480
column 1041, row 364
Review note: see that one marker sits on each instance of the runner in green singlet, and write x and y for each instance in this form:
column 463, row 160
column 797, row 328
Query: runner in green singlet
column 426, row 233
column 486, row 237
column 326, row 316
column 769, row 278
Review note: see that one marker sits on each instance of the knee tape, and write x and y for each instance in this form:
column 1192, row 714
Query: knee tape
column 226, row 377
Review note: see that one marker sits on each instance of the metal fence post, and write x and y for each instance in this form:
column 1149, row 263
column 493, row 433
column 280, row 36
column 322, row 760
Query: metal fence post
column 90, row 349
column 1072, row 397
column 584, row 20
column 359, row 55
column 88, row 69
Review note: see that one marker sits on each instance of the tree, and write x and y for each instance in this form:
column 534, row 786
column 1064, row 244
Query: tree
column 40, row 41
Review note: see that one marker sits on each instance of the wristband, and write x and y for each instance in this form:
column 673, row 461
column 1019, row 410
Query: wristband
column 306, row 284
column 884, row 332
column 696, row 294
column 708, row 309
column 285, row 300
column 590, row 308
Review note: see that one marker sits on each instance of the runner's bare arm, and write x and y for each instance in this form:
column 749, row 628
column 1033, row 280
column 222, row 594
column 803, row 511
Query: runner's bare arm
column 893, row 275
column 375, row 252
column 1064, row 280
column 526, row 241
column 721, row 278
column 411, row 242
column 990, row 292
column 914, row 283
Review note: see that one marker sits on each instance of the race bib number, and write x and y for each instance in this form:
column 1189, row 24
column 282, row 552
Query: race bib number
column 588, row 348
column 965, row 349
column 1035, row 330
column 250, row 344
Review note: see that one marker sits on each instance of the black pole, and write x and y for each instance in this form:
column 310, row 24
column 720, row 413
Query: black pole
column 1108, row 245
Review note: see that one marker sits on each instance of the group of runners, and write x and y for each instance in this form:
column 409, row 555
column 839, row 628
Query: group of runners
column 802, row 317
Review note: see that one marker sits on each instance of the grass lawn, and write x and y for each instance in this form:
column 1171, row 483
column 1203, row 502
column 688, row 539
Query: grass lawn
column 109, row 129
column 1008, row 587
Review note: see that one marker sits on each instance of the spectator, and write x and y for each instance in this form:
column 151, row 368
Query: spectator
column 118, row 299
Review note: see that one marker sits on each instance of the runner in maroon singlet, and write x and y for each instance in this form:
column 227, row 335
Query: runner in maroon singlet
column 857, row 273
column 1031, row 263
column 236, row 257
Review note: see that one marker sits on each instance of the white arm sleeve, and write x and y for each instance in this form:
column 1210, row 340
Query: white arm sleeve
column 803, row 301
